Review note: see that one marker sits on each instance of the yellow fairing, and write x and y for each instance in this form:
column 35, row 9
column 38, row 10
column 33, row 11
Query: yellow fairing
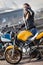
column 24, row 35
column 40, row 35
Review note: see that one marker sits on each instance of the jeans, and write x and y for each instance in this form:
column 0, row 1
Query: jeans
column 34, row 31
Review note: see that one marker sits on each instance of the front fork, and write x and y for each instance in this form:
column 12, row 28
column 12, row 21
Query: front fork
column 14, row 48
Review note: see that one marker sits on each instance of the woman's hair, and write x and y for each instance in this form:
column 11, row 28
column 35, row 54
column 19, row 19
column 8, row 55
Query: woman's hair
column 27, row 5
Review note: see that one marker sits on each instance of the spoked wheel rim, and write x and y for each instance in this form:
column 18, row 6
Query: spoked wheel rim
column 13, row 59
column 41, row 49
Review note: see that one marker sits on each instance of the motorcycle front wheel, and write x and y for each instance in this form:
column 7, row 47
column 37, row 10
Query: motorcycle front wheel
column 15, row 59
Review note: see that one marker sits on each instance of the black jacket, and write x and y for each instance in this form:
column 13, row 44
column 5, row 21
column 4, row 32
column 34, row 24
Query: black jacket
column 30, row 21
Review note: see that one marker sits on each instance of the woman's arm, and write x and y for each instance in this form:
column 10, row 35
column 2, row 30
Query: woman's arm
column 27, row 16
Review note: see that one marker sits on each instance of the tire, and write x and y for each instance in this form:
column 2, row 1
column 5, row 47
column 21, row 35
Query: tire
column 9, row 60
column 41, row 41
column 41, row 47
column 2, row 57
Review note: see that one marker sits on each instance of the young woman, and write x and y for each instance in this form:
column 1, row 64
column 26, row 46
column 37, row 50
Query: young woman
column 29, row 18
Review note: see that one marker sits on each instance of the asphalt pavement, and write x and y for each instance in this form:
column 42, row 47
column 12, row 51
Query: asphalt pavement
column 24, row 62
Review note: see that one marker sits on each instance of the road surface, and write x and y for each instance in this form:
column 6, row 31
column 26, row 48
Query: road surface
column 23, row 62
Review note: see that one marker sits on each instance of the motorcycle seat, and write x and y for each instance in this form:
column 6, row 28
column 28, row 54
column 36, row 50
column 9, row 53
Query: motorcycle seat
column 33, row 38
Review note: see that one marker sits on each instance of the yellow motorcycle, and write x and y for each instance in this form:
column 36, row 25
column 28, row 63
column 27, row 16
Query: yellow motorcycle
column 24, row 43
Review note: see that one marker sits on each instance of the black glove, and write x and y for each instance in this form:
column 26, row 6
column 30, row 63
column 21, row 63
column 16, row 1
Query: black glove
column 23, row 26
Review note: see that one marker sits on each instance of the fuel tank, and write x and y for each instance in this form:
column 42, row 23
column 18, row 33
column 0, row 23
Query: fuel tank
column 24, row 35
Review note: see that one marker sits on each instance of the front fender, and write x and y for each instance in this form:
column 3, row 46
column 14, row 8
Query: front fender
column 9, row 47
column 15, row 47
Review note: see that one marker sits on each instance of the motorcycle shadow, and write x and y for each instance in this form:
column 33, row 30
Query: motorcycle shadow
column 26, row 61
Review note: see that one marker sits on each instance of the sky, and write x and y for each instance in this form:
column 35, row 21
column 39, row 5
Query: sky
column 14, row 4
column 35, row 4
